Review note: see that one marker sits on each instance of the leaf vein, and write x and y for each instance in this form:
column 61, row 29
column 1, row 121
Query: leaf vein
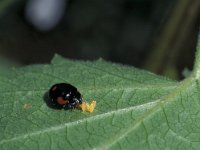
column 100, row 116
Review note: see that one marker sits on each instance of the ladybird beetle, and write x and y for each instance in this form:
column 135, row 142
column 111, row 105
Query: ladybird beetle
column 65, row 96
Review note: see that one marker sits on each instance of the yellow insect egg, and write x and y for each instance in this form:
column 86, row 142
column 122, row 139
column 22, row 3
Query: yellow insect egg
column 88, row 107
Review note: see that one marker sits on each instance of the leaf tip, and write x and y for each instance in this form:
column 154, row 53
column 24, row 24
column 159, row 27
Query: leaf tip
column 100, row 59
column 56, row 57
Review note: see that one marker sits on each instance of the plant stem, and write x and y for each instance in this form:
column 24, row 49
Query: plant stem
column 169, row 46
column 196, row 69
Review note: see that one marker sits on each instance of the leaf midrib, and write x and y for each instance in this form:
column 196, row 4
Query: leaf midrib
column 100, row 116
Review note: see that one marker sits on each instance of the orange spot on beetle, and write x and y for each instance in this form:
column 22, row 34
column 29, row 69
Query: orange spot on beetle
column 61, row 101
column 54, row 88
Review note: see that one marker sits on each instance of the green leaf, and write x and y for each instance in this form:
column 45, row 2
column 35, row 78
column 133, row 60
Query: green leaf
column 135, row 109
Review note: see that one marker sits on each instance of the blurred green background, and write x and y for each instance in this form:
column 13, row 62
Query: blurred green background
column 156, row 35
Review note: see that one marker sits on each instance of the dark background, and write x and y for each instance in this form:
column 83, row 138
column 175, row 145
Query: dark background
column 157, row 35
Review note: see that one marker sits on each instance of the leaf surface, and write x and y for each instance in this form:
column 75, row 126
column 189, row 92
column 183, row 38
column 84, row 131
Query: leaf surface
column 135, row 108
